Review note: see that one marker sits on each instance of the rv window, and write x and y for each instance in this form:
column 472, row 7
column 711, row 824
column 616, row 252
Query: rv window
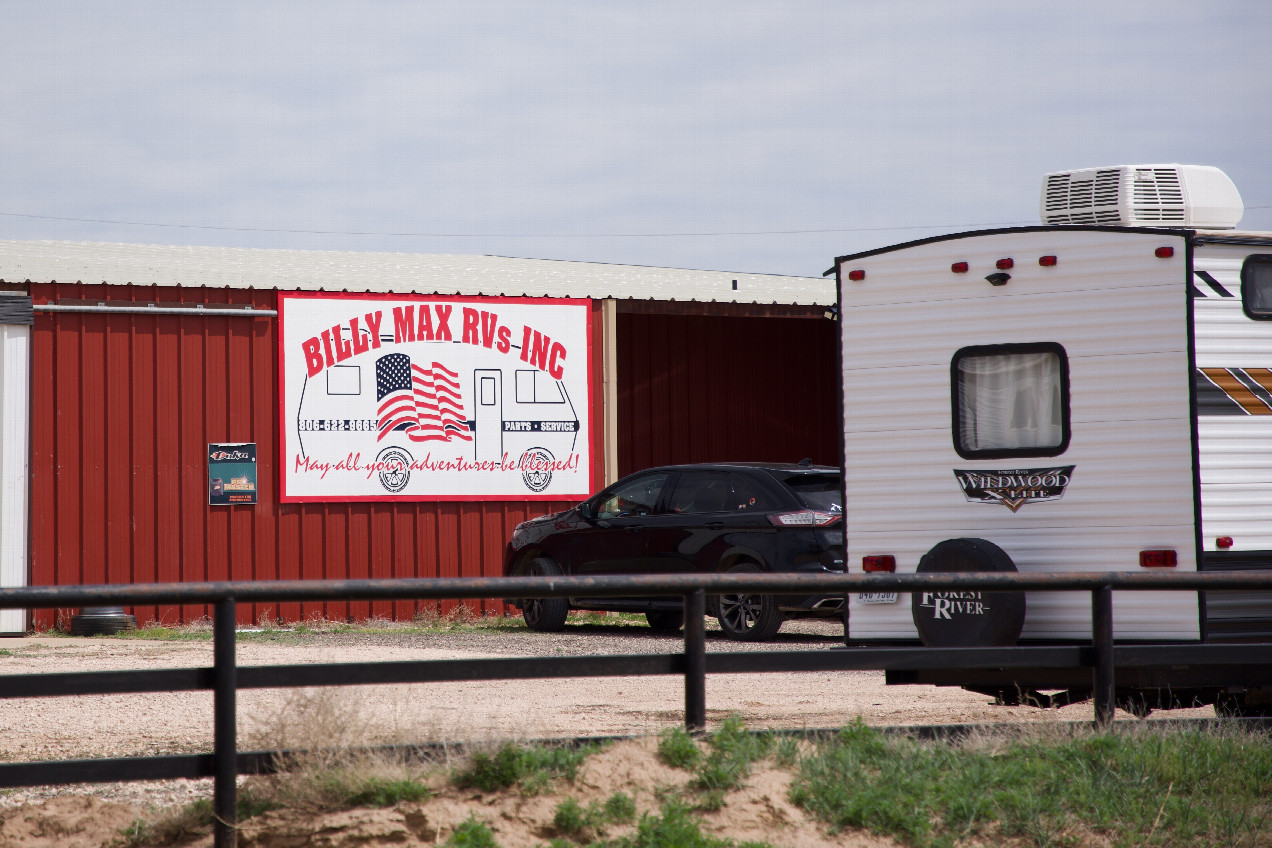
column 1010, row 400
column 1256, row 286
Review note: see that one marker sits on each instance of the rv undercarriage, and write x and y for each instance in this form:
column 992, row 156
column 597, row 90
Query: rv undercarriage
column 1139, row 689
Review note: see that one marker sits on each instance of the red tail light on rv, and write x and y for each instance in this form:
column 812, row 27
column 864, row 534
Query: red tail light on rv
column 1047, row 261
column 856, row 275
column 1004, row 264
column 1164, row 252
column 1158, row 559
column 1223, row 543
column 959, row 267
column 879, row 563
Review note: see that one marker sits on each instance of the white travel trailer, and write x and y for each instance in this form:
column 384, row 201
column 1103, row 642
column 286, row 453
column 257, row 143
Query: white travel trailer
column 1090, row 395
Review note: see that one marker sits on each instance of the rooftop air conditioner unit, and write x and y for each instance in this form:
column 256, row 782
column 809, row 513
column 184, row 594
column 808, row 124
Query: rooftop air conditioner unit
column 1143, row 196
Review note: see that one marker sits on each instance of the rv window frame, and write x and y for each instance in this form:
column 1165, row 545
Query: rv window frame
column 1246, row 282
column 1008, row 350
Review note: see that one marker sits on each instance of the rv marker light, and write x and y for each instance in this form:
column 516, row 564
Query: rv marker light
column 1223, row 542
column 1164, row 252
column 1004, row 264
column 1158, row 559
column 857, row 275
column 883, row 562
column 959, row 267
column 1046, row 261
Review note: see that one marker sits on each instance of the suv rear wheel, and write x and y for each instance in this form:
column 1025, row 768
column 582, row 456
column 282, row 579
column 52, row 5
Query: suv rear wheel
column 748, row 618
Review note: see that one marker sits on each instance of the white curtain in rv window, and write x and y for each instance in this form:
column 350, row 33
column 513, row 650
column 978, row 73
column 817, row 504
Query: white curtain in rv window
column 1009, row 401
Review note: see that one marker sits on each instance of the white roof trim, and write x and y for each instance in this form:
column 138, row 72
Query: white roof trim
column 422, row 273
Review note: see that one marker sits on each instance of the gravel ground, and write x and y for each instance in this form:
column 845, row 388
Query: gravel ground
column 467, row 712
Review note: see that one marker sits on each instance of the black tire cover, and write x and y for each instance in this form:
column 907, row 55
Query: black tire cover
column 969, row 618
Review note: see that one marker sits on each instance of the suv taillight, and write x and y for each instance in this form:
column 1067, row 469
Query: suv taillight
column 804, row 518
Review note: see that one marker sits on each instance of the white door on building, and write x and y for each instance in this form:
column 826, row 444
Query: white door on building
column 15, row 416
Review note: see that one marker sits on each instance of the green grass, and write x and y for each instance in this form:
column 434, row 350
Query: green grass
column 381, row 792
column 1169, row 787
column 473, row 833
column 459, row 620
column 531, row 768
column 732, row 751
column 188, row 822
column 583, row 824
column 675, row 828
column 678, row 749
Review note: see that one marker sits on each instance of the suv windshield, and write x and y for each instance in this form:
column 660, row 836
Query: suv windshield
column 816, row 491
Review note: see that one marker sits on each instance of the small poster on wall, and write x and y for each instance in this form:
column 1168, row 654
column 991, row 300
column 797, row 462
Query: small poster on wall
column 415, row 397
column 232, row 473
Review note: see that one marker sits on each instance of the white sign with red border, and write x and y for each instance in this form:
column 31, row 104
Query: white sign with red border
column 405, row 397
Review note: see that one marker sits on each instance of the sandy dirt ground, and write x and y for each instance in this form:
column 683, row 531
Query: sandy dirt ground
column 124, row 725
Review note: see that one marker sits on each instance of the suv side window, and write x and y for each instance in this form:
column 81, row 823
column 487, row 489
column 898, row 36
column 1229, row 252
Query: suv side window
column 634, row 497
column 700, row 492
column 744, row 495
column 1010, row 400
column 1256, row 286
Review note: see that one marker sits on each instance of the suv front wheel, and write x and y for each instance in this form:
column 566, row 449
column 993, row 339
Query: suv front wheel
column 748, row 618
column 547, row 615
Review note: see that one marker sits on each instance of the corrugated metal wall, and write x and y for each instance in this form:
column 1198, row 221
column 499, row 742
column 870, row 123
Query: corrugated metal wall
column 123, row 408
column 699, row 388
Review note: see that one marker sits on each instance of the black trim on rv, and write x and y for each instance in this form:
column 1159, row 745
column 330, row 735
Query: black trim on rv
column 1256, row 286
column 1071, row 228
column 956, row 418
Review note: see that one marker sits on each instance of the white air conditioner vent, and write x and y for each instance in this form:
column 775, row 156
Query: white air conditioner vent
column 1142, row 196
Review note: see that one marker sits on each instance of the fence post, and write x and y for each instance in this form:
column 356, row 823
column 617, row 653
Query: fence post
column 225, row 734
column 695, row 660
column 1102, row 642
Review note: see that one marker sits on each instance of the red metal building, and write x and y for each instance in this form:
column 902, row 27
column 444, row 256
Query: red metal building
column 142, row 356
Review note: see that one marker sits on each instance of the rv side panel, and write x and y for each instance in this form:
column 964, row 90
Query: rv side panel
column 1234, row 425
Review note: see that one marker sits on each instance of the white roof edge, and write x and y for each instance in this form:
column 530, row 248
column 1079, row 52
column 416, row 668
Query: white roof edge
column 419, row 273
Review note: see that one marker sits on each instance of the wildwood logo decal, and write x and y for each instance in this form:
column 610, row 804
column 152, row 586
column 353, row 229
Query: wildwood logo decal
column 1014, row 489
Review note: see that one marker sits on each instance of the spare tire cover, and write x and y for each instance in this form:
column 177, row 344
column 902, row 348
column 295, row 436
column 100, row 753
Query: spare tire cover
column 968, row 618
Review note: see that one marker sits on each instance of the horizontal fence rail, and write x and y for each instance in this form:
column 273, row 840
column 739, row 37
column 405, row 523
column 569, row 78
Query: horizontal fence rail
column 225, row 677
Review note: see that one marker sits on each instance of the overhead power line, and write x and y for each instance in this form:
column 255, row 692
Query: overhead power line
column 688, row 234
column 708, row 234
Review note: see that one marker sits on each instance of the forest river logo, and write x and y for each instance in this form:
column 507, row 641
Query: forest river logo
column 1014, row 489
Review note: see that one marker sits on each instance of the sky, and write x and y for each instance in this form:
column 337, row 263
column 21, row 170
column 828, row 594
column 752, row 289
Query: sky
column 763, row 137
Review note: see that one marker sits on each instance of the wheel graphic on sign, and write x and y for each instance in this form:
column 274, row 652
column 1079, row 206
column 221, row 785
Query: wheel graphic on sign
column 395, row 468
column 536, row 469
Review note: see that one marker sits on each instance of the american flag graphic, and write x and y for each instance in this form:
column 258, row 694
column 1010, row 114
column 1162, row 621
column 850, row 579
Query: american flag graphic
column 423, row 402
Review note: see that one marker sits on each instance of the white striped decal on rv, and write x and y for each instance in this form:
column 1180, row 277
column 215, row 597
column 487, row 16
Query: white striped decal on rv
column 1234, row 391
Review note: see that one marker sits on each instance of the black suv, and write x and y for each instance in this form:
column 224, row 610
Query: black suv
column 692, row 518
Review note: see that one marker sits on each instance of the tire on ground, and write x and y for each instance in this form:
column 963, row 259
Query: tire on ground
column 964, row 619
column 665, row 621
column 748, row 618
column 546, row 615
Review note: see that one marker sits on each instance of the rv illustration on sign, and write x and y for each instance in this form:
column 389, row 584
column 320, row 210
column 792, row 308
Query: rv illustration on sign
column 410, row 408
column 447, row 399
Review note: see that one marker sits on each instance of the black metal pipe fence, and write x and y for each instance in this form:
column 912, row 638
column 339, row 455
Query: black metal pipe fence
column 225, row 677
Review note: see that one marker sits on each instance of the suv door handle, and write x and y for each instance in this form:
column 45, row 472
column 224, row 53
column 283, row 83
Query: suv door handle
column 635, row 528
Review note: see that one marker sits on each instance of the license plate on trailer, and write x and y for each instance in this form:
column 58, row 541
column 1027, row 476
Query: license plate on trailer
column 876, row 597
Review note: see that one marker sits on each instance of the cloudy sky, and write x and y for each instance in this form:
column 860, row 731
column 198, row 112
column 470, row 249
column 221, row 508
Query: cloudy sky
column 741, row 136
